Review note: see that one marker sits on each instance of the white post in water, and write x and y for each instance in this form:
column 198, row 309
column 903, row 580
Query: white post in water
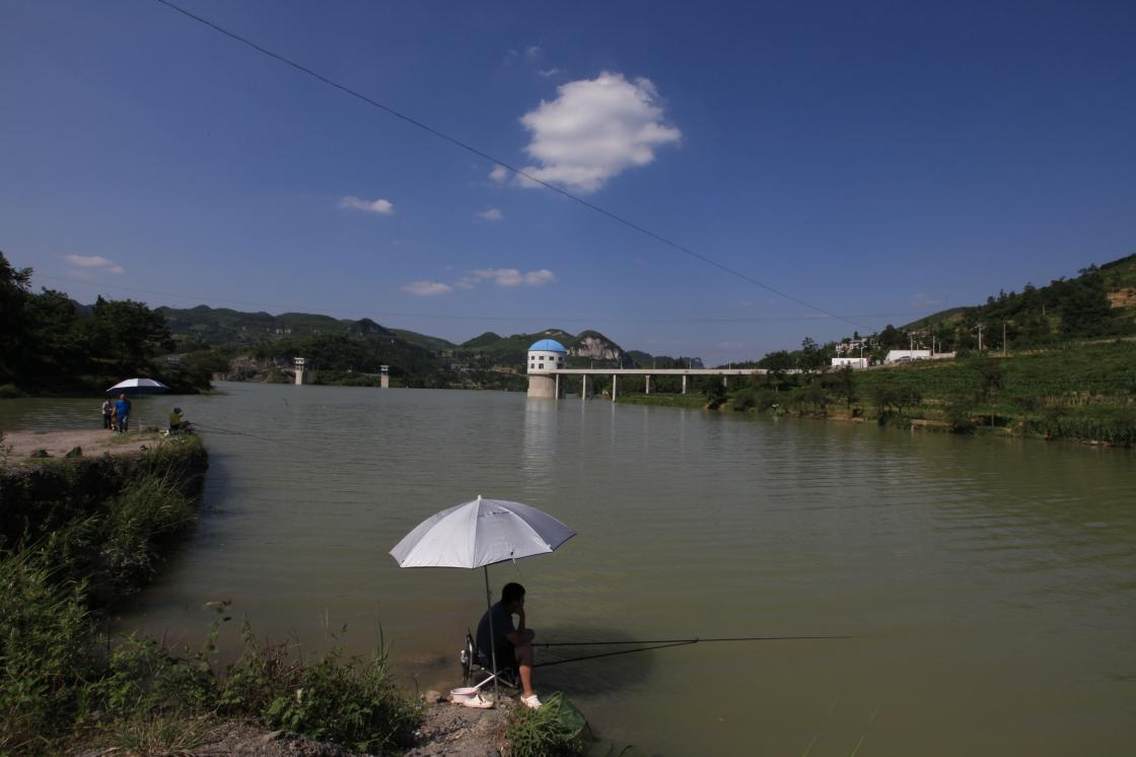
column 684, row 383
column 647, row 384
column 614, row 380
column 298, row 363
column 583, row 386
column 384, row 377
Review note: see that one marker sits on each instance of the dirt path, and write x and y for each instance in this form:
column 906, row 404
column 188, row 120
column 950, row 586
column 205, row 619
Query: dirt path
column 93, row 442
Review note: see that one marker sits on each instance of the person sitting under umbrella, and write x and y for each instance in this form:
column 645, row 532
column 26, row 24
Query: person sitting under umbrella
column 512, row 642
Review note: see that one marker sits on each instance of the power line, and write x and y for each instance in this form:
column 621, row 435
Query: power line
column 504, row 164
column 308, row 308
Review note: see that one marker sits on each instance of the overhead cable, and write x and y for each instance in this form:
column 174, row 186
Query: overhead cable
column 498, row 161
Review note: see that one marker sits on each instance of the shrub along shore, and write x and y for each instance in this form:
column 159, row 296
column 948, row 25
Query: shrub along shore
column 1085, row 393
column 79, row 535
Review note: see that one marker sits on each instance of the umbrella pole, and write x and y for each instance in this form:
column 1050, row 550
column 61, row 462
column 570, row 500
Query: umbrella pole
column 492, row 636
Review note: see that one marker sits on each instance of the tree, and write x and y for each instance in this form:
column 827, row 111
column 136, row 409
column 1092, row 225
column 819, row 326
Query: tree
column 990, row 380
column 715, row 395
column 127, row 334
column 812, row 359
column 844, row 385
column 14, row 283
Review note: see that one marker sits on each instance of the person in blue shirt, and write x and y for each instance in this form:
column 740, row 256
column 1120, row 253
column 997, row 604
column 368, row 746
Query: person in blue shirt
column 512, row 642
column 122, row 412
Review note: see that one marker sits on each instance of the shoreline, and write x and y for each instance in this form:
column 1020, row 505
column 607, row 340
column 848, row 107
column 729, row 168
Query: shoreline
column 1017, row 430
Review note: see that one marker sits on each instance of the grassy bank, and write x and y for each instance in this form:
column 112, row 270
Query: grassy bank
column 81, row 534
column 1083, row 392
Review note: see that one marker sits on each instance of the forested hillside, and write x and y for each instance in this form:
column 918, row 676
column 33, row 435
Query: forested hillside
column 51, row 344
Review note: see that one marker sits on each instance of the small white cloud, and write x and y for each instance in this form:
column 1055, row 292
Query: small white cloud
column 380, row 206
column 491, row 214
column 508, row 277
column 427, row 288
column 548, row 73
column 94, row 262
column 539, row 278
column 499, row 174
column 533, row 52
column 595, row 130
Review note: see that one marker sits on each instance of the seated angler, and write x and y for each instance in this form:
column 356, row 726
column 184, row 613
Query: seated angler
column 512, row 642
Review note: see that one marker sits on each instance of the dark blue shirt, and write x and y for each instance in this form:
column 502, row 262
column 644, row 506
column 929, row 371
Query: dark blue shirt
column 502, row 625
column 122, row 407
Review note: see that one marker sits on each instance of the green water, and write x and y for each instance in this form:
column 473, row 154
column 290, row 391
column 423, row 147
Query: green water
column 990, row 584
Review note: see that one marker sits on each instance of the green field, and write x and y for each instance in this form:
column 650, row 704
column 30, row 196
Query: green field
column 1085, row 392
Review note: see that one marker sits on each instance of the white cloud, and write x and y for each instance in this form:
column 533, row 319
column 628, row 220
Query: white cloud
column 508, row 277
column 503, row 277
column 499, row 174
column 533, row 52
column 595, row 130
column 427, row 288
column 491, row 214
column 94, row 262
column 548, row 73
column 379, row 206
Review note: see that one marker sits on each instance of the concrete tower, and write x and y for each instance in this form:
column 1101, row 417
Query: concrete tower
column 544, row 357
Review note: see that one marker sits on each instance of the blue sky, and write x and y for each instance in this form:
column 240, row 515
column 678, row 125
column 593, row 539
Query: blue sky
column 879, row 160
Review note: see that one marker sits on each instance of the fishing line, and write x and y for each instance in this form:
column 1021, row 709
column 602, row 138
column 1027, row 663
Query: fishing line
column 693, row 640
column 613, row 654
column 660, row 644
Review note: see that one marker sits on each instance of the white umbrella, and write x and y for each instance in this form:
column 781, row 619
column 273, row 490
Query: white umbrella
column 138, row 386
column 477, row 534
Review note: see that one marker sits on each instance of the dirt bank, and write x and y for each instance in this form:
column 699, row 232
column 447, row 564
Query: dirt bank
column 93, row 442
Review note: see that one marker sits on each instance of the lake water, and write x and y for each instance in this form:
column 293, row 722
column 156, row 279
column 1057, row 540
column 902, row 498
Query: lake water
column 990, row 584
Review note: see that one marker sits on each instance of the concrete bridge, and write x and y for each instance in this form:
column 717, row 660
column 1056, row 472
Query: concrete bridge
column 547, row 382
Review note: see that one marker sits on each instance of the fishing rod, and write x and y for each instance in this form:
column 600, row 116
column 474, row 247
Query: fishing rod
column 612, row 654
column 662, row 644
column 692, row 640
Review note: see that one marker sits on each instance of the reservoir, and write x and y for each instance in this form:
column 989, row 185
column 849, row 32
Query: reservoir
column 989, row 584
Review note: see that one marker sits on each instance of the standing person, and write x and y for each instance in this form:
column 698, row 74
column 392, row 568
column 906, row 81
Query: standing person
column 512, row 642
column 122, row 411
column 108, row 412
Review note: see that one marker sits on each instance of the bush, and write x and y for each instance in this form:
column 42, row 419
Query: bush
column 958, row 412
column 355, row 703
column 136, row 522
column 45, row 646
column 556, row 729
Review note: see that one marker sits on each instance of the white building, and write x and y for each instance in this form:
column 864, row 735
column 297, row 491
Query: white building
column 906, row 356
column 545, row 356
column 854, row 362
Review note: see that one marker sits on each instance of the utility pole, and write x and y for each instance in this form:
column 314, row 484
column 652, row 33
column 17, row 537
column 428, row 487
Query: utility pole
column 1003, row 338
column 980, row 337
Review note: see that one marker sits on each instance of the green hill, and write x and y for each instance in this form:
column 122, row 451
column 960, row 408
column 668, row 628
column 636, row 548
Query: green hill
column 1099, row 302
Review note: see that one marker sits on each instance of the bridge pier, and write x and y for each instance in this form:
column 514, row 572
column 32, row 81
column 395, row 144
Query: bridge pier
column 614, row 383
column 584, row 386
column 684, row 384
column 647, row 384
column 724, row 382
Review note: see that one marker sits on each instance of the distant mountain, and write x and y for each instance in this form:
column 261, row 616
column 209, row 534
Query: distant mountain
column 585, row 346
column 347, row 345
column 432, row 343
column 224, row 327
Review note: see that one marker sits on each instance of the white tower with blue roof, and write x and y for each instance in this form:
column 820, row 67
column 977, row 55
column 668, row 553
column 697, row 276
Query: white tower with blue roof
column 545, row 356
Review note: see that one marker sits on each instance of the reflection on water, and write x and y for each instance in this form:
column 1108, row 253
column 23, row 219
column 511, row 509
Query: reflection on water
column 989, row 583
